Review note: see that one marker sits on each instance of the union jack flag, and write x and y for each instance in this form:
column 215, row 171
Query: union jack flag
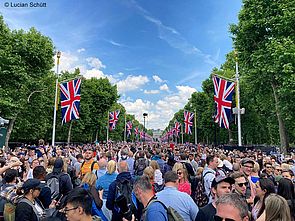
column 142, row 134
column 129, row 128
column 176, row 129
column 113, row 118
column 70, row 100
column 188, row 122
column 136, row 131
column 223, row 93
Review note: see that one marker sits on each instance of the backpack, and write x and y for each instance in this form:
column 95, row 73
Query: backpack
column 140, row 165
column 7, row 208
column 124, row 190
column 96, row 201
column 172, row 214
column 201, row 198
column 53, row 184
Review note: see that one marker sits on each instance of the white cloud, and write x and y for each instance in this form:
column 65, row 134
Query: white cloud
column 131, row 83
column 94, row 73
column 95, row 63
column 157, row 79
column 80, row 50
column 164, row 87
column 151, row 91
column 161, row 111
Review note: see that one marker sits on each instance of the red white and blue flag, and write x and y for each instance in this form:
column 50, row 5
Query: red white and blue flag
column 188, row 122
column 70, row 100
column 176, row 129
column 129, row 128
column 113, row 118
column 223, row 93
column 142, row 134
column 136, row 131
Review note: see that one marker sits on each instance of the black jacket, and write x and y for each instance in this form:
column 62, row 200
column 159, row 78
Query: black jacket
column 25, row 212
column 45, row 195
column 110, row 204
column 65, row 183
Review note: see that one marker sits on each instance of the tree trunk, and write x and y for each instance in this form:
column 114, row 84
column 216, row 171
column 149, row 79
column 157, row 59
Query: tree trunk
column 69, row 133
column 9, row 130
column 230, row 136
column 282, row 129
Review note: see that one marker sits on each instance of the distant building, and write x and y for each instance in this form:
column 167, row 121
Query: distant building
column 157, row 134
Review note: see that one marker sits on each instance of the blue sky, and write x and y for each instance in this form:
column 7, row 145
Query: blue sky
column 158, row 52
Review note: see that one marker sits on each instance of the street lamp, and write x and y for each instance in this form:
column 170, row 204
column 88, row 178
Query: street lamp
column 144, row 116
column 58, row 54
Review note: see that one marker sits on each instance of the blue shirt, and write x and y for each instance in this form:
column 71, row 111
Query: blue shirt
column 104, row 182
column 179, row 201
column 156, row 212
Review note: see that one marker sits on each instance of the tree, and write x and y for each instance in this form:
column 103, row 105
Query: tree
column 265, row 38
column 26, row 59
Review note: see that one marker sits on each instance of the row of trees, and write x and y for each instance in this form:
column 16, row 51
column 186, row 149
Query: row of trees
column 27, row 90
column 265, row 40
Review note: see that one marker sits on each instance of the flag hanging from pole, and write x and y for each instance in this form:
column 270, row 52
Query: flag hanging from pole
column 223, row 93
column 129, row 128
column 136, row 131
column 188, row 122
column 70, row 100
column 176, row 128
column 113, row 118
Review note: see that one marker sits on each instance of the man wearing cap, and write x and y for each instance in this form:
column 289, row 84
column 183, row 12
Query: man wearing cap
column 179, row 201
column 29, row 208
column 220, row 185
column 246, row 168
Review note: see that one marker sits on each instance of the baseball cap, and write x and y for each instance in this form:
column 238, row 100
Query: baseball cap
column 247, row 160
column 31, row 184
column 222, row 178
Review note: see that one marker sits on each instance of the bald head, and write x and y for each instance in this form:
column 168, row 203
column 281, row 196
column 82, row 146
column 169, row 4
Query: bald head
column 102, row 163
column 122, row 166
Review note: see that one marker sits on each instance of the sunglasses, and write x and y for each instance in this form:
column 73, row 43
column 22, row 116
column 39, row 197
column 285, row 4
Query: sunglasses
column 179, row 173
column 218, row 218
column 242, row 184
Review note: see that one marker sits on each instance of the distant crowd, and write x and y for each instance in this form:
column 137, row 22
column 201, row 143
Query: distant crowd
column 145, row 182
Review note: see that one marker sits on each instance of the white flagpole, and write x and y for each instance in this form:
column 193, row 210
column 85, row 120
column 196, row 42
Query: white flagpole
column 125, row 128
column 238, row 102
column 55, row 99
column 195, row 118
column 108, row 126
column 182, row 133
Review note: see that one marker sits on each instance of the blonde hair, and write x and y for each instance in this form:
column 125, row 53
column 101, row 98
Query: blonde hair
column 184, row 172
column 199, row 171
column 111, row 167
column 89, row 178
column 154, row 164
column 276, row 208
column 149, row 171
column 177, row 166
column 66, row 164
column 256, row 167
column 285, row 166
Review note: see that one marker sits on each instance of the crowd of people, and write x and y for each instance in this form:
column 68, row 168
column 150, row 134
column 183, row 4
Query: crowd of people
column 145, row 181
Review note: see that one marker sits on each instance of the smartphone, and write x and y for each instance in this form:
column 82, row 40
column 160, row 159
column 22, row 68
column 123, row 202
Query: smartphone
column 58, row 199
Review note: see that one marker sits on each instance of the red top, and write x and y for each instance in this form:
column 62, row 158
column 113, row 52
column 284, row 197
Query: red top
column 185, row 187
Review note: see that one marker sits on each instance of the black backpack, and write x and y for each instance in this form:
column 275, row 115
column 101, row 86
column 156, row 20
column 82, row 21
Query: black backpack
column 140, row 165
column 201, row 198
